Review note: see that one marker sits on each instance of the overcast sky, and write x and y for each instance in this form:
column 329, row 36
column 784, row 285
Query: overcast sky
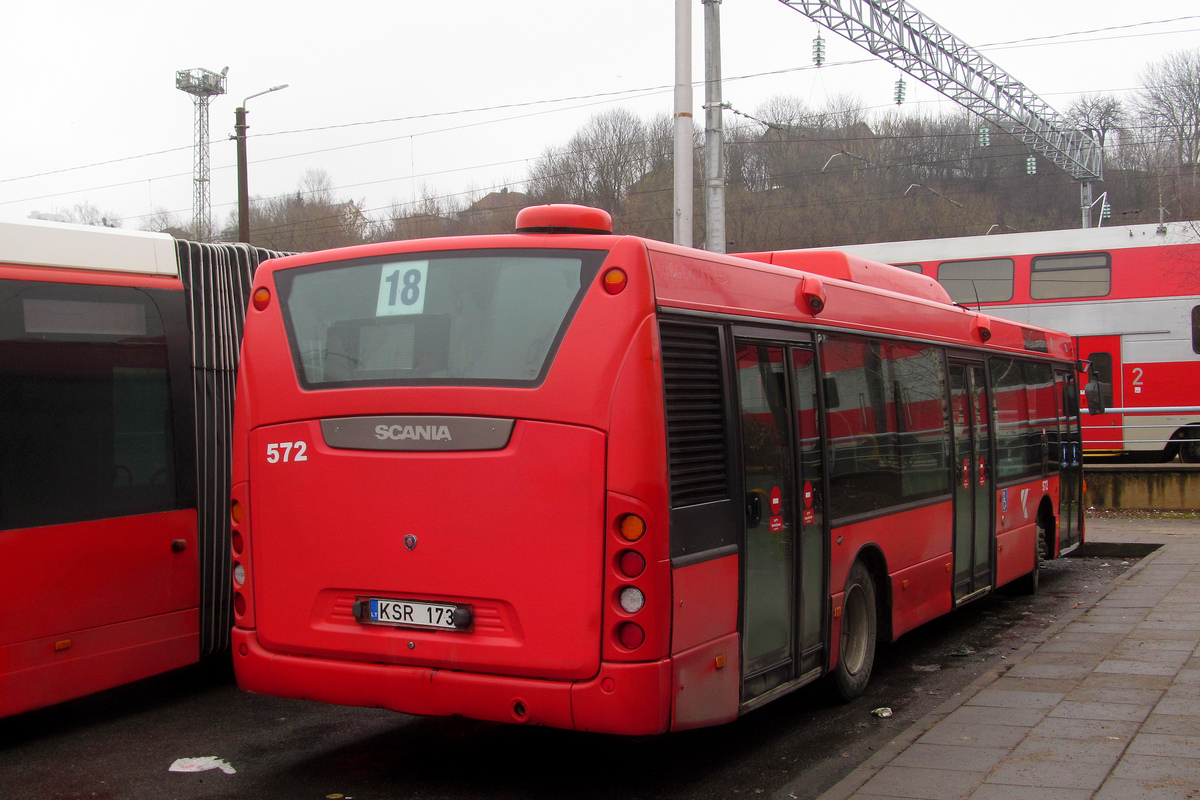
column 377, row 87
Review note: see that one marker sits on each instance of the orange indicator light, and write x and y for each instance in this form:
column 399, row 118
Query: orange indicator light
column 633, row 527
column 262, row 297
column 235, row 511
column 615, row 281
column 63, row 644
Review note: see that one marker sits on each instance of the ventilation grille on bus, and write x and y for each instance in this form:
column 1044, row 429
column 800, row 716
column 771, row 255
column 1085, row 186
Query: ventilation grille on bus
column 695, row 406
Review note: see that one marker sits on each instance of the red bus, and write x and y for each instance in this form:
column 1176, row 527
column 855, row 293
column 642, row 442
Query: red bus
column 1129, row 294
column 599, row 482
column 114, row 454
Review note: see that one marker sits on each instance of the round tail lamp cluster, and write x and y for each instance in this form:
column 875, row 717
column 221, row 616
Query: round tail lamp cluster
column 631, row 564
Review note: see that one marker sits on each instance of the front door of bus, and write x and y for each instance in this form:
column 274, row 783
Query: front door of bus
column 782, row 557
column 1069, row 461
column 973, row 481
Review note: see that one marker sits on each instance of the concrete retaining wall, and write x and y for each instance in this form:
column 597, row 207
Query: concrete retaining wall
column 1167, row 487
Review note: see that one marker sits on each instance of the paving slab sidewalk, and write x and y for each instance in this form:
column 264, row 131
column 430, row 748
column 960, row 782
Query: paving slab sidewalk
column 1104, row 705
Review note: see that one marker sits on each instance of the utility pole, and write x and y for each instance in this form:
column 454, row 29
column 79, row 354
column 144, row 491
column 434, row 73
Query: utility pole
column 239, row 131
column 683, row 123
column 714, row 131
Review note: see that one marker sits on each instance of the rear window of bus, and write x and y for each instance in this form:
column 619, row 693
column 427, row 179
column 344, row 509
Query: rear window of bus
column 459, row 317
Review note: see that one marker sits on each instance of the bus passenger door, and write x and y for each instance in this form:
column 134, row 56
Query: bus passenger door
column 973, row 481
column 1070, row 498
column 770, row 548
column 783, row 595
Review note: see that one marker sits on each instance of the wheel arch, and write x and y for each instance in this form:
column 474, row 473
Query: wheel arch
column 872, row 557
column 1049, row 520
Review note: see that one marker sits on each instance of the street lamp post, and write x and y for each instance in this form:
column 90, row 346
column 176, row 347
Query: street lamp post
column 239, row 128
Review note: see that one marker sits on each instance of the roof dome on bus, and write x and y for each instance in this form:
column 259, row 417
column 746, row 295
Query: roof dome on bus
column 564, row 218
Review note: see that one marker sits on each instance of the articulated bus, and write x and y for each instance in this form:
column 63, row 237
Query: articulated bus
column 597, row 482
column 117, row 356
column 1129, row 294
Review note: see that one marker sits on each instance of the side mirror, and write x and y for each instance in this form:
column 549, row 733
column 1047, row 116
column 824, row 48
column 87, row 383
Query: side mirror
column 1095, row 394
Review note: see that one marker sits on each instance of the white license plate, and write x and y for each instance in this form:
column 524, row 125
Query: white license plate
column 410, row 613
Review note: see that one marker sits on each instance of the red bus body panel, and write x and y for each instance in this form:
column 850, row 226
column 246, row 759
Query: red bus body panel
column 113, row 603
column 488, row 534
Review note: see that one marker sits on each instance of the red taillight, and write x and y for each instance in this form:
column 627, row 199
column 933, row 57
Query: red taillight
column 238, row 544
column 615, row 281
column 262, row 297
column 631, row 563
column 239, row 605
column 630, row 635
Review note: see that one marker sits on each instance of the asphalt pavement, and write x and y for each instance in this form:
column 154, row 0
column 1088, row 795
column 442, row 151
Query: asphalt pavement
column 1103, row 705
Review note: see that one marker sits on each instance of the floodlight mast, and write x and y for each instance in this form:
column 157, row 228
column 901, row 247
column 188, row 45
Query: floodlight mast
column 203, row 85
column 902, row 35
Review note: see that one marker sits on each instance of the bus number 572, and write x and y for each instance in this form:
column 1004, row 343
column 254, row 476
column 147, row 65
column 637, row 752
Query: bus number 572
column 283, row 451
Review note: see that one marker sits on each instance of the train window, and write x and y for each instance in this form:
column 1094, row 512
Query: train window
column 1196, row 329
column 910, row 267
column 1058, row 277
column 988, row 280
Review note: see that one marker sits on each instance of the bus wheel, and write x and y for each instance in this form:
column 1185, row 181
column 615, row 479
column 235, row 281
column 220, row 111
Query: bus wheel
column 1028, row 584
column 1189, row 450
column 857, row 651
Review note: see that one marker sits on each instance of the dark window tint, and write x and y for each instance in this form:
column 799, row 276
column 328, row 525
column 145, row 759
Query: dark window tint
column 1043, row 417
column 886, row 417
column 1101, row 372
column 1196, row 329
column 987, row 280
column 85, row 405
column 469, row 316
column 1025, row 411
column 1054, row 277
column 1101, row 367
column 910, row 267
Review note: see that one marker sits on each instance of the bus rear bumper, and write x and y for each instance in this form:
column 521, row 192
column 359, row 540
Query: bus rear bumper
column 629, row 699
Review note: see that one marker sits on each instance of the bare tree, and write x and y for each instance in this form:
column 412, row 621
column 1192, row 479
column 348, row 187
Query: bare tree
column 1098, row 115
column 164, row 221
column 312, row 218
column 1170, row 101
column 86, row 213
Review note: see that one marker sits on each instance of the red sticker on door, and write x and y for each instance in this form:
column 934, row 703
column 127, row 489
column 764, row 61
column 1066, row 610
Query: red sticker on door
column 808, row 495
column 776, row 502
column 776, row 524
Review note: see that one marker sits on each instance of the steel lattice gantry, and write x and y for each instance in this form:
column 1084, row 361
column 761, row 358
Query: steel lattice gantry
column 902, row 35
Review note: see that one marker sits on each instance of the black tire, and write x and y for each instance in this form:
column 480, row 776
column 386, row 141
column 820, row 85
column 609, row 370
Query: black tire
column 856, row 654
column 1189, row 450
column 1028, row 584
